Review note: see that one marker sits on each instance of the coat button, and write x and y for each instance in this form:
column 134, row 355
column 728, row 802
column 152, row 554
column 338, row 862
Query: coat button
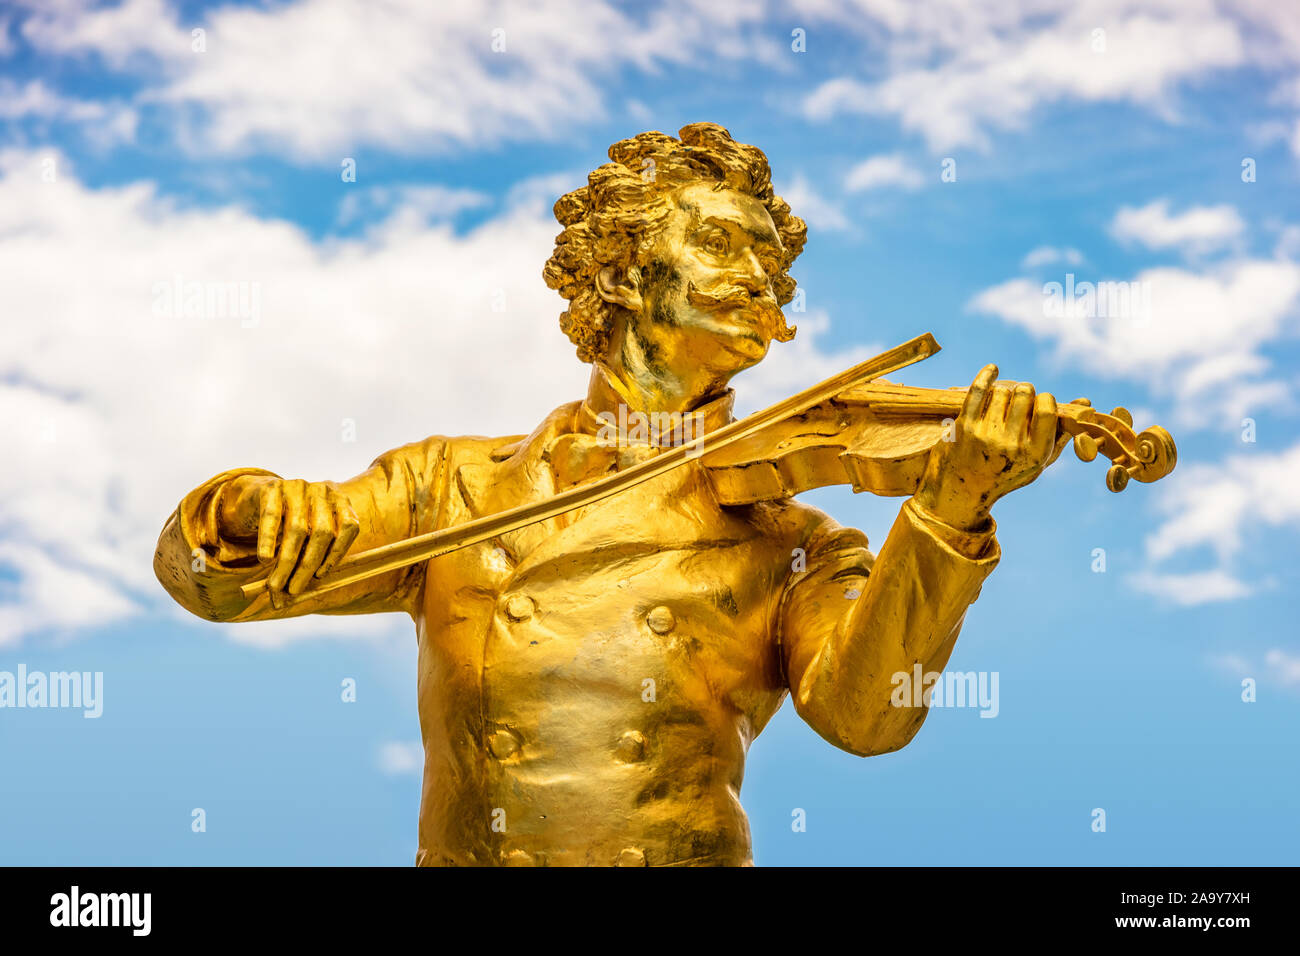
column 519, row 607
column 661, row 620
column 631, row 856
column 631, row 747
column 504, row 743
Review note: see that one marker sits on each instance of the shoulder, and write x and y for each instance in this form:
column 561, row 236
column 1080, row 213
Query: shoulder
column 798, row 525
column 474, row 449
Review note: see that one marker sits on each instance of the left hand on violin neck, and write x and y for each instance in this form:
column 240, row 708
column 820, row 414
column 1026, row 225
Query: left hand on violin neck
column 1002, row 439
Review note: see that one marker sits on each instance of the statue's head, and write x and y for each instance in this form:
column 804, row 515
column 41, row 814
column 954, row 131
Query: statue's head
column 678, row 248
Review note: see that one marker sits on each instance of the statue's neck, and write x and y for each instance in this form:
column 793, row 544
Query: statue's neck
column 625, row 375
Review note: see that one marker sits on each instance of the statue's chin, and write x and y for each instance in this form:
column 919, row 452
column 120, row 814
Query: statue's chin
column 741, row 352
column 738, row 335
column 725, row 341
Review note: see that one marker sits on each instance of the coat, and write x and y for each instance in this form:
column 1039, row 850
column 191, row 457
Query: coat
column 588, row 687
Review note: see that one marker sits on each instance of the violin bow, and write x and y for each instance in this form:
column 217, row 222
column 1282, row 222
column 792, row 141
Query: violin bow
column 400, row 554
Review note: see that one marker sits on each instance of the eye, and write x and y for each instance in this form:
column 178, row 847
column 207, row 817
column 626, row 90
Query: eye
column 717, row 244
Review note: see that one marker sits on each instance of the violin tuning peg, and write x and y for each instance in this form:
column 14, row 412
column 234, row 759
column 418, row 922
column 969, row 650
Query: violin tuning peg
column 1117, row 477
column 1085, row 447
column 1123, row 414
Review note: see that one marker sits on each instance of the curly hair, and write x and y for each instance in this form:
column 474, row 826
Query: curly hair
column 616, row 217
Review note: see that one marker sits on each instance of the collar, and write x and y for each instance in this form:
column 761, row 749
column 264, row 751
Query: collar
column 608, row 404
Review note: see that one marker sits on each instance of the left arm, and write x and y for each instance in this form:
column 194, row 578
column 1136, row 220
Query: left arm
column 851, row 623
column 851, row 626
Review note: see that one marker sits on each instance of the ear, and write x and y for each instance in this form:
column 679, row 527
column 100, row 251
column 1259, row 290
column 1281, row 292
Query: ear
column 625, row 293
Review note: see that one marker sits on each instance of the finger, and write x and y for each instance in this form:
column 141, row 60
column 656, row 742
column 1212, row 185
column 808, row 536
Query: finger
column 295, row 532
column 319, row 538
column 1042, row 430
column 977, row 396
column 999, row 401
column 268, row 527
column 349, row 527
column 1021, row 409
column 1063, row 437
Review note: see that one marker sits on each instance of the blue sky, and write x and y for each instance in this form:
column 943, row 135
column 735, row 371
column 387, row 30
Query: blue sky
column 410, row 302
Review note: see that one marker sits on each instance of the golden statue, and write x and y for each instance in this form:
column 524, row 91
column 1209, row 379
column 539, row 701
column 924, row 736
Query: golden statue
column 611, row 608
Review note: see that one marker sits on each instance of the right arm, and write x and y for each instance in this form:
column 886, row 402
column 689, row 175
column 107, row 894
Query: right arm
column 247, row 524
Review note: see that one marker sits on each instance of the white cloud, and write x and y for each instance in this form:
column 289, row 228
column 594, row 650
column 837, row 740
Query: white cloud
column 879, row 172
column 1212, row 506
column 405, row 75
column 1204, row 345
column 119, row 33
column 1277, row 664
column 412, row 76
column 1047, row 255
column 1232, row 663
column 638, row 111
column 1200, row 228
column 1275, row 31
column 415, row 203
column 1203, row 330
column 58, row 590
column 1285, row 667
column 397, row 758
column 956, row 70
column 105, row 123
column 125, row 410
column 34, row 98
column 810, row 205
column 116, row 411
column 1190, row 590
column 1217, row 508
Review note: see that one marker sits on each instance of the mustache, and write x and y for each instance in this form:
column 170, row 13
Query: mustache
column 727, row 295
column 722, row 294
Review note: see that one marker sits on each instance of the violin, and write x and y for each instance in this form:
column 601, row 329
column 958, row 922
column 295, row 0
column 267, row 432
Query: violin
column 854, row 428
column 877, row 437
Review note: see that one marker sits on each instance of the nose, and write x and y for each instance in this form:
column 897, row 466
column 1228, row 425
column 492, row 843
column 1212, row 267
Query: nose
column 751, row 275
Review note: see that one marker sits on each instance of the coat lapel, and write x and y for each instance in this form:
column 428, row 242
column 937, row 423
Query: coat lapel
column 515, row 475
column 519, row 473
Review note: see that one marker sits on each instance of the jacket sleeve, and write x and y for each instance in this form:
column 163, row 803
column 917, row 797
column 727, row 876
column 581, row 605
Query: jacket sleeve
column 400, row 495
column 851, row 624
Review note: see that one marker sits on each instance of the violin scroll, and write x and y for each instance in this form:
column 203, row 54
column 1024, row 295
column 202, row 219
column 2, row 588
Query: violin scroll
column 1146, row 457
